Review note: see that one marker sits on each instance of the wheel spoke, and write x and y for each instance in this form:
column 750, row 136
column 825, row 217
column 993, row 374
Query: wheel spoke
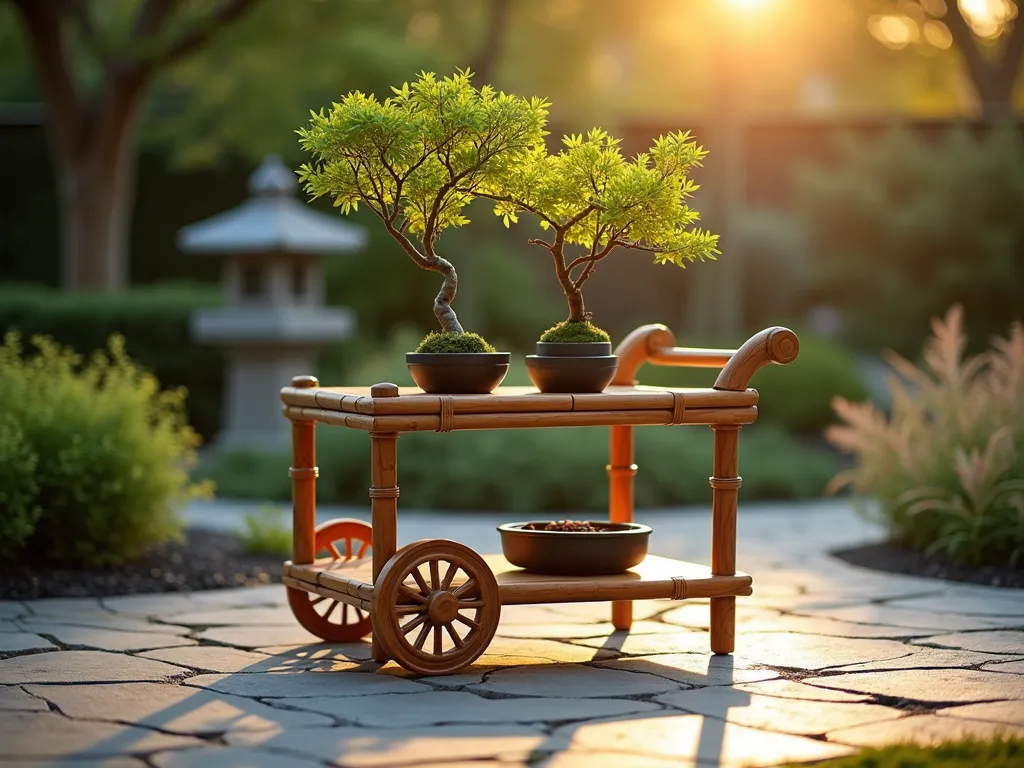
column 466, row 588
column 334, row 550
column 362, row 550
column 319, row 599
column 470, row 604
column 435, row 578
column 344, row 614
column 438, row 637
column 359, row 614
column 449, row 576
column 330, row 609
column 405, row 610
column 348, row 548
column 459, row 642
column 408, row 592
column 411, row 625
column 421, row 638
column 468, row 622
column 418, row 577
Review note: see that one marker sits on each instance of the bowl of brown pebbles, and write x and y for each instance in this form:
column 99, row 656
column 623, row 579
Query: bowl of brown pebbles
column 574, row 547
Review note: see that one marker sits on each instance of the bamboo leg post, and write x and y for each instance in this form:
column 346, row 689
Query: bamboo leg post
column 725, row 484
column 621, row 470
column 303, row 473
column 383, row 500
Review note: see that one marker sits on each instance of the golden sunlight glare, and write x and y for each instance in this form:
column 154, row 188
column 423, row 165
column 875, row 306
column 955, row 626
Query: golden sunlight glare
column 746, row 3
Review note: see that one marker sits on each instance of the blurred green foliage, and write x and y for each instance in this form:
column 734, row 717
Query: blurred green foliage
column 107, row 449
column 565, row 469
column 999, row 751
column 267, row 532
column 154, row 321
column 901, row 228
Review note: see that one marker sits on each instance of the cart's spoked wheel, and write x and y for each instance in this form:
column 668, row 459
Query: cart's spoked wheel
column 328, row 619
column 436, row 606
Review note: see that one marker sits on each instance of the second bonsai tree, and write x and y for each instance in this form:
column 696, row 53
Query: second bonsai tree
column 593, row 200
column 416, row 160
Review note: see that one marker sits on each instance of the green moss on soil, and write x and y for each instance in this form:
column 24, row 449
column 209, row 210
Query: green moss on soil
column 569, row 332
column 443, row 341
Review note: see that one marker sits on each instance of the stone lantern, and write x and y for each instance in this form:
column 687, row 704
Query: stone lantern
column 273, row 320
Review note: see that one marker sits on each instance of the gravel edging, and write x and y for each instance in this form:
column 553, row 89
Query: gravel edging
column 202, row 560
column 895, row 559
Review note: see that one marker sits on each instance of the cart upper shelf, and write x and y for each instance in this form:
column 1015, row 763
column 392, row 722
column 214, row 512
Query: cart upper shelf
column 411, row 410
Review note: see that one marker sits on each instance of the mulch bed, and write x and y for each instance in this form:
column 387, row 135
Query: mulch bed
column 203, row 560
column 896, row 559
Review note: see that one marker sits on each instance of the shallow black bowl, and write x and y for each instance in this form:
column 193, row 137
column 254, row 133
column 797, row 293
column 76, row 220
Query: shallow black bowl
column 615, row 548
column 572, row 374
column 458, row 373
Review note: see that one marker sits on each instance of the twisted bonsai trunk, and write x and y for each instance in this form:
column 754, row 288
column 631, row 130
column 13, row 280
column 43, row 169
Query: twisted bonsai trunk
column 443, row 301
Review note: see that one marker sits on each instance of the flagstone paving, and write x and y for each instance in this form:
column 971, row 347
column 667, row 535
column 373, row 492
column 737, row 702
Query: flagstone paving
column 829, row 658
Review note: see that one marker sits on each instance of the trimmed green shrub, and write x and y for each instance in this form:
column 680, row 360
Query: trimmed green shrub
column 797, row 396
column 904, row 227
column 445, row 342
column 112, row 451
column 267, row 532
column 154, row 321
column 569, row 332
column 19, row 491
column 947, row 466
column 532, row 470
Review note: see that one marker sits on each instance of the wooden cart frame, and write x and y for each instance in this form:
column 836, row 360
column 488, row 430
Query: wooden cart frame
column 440, row 620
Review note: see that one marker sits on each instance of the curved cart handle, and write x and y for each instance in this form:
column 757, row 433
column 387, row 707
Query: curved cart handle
column 656, row 344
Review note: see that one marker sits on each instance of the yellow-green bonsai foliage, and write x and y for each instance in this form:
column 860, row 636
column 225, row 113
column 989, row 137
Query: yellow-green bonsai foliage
column 946, row 467
column 593, row 200
column 417, row 159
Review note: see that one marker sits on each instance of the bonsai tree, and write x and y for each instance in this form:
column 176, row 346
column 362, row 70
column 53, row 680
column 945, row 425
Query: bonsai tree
column 416, row 160
column 593, row 201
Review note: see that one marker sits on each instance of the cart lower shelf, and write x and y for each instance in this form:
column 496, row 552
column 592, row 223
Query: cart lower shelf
column 654, row 579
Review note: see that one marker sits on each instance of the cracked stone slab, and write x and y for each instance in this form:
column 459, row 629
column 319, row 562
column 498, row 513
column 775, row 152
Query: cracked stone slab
column 680, row 641
column 556, row 630
column 13, row 698
column 63, row 607
column 173, row 708
column 789, row 689
column 642, row 609
column 582, row 682
column 230, row 757
column 1009, row 667
column 578, row 758
column 252, row 638
column 935, row 685
column 1004, row 642
column 552, row 650
column 471, row 675
column 773, row 713
column 84, row 667
column 144, row 605
column 920, row 729
column 48, row 735
column 318, row 652
column 459, row 707
column 370, row 747
column 243, row 597
column 697, row 615
column 109, row 639
column 822, row 625
column 243, row 617
column 921, row 657
column 106, row 621
column 10, row 610
column 1009, row 712
column 998, row 603
column 691, row 669
column 912, row 617
column 693, row 738
column 101, row 762
column 216, row 658
column 21, row 642
column 278, row 685
column 793, row 651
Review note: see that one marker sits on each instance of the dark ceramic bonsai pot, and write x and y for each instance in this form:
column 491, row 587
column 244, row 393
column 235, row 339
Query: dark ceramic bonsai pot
column 572, row 367
column 458, row 373
column 615, row 548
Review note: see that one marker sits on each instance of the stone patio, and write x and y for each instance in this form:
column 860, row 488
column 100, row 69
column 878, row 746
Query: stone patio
column 829, row 658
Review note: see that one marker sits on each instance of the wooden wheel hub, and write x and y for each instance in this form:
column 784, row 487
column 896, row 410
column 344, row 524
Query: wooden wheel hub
column 442, row 606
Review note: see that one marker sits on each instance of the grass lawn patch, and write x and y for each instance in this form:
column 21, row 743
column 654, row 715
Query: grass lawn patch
column 1000, row 752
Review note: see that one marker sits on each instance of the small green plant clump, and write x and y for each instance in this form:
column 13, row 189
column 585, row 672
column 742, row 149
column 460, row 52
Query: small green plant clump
column 571, row 332
column 947, row 466
column 267, row 533
column 998, row 752
column 94, row 456
column 443, row 341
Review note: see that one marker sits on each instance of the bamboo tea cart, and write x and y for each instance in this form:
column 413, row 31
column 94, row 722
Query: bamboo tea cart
column 433, row 606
